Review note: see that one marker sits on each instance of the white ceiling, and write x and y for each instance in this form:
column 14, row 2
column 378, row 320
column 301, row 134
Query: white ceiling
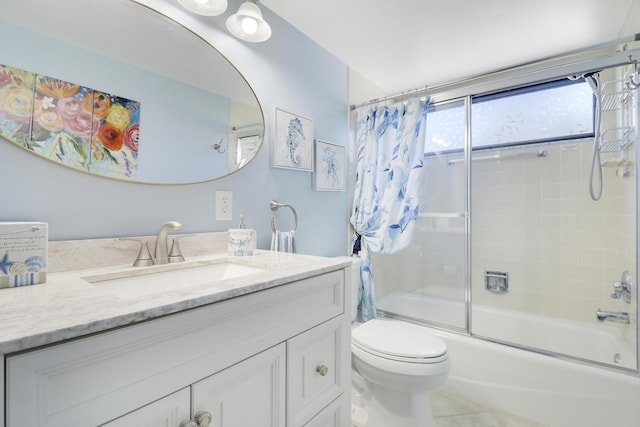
column 401, row 45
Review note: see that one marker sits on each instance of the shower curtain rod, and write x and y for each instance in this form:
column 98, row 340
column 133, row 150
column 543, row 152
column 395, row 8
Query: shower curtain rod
column 626, row 55
column 390, row 97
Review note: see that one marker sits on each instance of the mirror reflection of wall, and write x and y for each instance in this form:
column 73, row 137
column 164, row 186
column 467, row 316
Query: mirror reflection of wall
column 180, row 121
column 245, row 136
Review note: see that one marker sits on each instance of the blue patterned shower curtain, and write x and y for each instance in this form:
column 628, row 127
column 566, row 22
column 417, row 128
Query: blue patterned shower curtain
column 390, row 151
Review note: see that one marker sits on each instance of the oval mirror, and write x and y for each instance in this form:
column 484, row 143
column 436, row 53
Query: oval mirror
column 114, row 88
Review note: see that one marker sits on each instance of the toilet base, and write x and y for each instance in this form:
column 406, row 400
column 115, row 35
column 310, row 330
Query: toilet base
column 390, row 407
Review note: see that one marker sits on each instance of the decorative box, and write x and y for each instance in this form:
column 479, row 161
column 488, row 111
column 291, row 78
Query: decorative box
column 23, row 253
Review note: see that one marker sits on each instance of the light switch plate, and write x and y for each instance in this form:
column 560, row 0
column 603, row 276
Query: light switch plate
column 224, row 205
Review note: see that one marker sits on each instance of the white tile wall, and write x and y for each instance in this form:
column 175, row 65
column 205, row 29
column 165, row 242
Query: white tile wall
column 532, row 218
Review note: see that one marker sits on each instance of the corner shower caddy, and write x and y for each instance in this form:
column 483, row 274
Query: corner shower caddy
column 618, row 98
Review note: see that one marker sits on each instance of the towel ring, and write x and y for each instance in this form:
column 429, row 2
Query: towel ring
column 274, row 204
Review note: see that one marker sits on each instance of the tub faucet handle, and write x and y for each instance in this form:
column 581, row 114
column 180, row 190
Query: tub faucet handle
column 623, row 288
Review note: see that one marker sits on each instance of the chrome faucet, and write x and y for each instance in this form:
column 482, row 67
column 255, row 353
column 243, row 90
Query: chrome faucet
column 623, row 288
column 161, row 255
column 614, row 316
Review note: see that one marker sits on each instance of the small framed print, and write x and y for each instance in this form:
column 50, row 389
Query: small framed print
column 293, row 147
column 329, row 174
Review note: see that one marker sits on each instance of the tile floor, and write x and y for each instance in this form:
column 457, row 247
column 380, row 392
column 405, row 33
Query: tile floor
column 453, row 411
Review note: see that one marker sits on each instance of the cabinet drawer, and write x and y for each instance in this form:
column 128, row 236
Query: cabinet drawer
column 318, row 365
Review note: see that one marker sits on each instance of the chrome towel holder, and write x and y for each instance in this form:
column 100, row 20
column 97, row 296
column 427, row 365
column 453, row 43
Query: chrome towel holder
column 274, row 204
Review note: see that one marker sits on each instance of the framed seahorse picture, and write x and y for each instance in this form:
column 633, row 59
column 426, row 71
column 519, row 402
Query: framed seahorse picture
column 293, row 145
column 329, row 170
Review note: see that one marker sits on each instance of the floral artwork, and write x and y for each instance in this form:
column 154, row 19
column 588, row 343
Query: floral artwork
column 329, row 167
column 293, row 148
column 71, row 124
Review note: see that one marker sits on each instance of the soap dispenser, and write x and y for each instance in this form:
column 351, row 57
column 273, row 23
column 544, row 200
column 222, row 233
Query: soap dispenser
column 241, row 240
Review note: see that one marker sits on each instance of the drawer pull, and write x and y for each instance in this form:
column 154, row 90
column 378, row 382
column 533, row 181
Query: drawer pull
column 188, row 423
column 203, row 418
column 322, row 370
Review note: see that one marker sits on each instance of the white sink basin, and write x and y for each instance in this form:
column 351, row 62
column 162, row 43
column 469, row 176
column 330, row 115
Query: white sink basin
column 158, row 279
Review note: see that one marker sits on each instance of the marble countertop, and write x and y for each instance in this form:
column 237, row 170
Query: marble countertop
column 67, row 306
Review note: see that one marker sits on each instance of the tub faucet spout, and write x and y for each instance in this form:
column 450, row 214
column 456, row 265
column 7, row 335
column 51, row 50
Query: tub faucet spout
column 613, row 316
column 161, row 253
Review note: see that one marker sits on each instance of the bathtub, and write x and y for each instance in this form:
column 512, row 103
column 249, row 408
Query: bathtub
column 548, row 390
column 589, row 341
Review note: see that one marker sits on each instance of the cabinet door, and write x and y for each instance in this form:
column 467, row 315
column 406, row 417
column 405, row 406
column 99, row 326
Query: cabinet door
column 337, row 414
column 250, row 393
column 169, row 411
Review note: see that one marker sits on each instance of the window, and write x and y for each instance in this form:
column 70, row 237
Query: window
column 445, row 128
column 558, row 110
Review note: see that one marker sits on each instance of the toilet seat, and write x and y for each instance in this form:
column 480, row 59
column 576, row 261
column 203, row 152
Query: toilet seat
column 399, row 341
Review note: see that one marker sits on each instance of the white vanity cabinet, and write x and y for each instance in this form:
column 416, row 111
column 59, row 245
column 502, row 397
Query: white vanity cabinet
column 275, row 358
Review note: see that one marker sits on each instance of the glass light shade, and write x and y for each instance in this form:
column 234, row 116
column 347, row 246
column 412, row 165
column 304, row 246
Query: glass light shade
column 247, row 24
column 205, row 7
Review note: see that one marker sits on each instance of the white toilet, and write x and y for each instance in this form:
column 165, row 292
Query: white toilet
column 399, row 362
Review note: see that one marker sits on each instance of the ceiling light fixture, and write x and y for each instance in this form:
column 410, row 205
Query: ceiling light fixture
column 247, row 24
column 205, row 7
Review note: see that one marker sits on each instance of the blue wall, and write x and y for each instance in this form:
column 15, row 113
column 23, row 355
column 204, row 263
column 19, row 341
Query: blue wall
column 289, row 72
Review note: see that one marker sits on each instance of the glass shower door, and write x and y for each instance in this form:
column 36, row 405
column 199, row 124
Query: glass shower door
column 427, row 281
column 549, row 263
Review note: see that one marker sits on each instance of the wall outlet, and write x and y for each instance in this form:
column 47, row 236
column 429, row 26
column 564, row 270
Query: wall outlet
column 224, row 205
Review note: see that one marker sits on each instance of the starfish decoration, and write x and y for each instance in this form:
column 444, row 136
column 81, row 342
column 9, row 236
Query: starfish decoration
column 5, row 263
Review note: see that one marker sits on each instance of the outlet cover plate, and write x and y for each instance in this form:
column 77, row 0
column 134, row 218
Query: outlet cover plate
column 224, row 205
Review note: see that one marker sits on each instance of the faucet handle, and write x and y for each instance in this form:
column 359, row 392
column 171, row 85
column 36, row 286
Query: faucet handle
column 175, row 254
column 144, row 258
column 623, row 288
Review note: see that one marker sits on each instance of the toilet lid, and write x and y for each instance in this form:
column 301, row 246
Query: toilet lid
column 399, row 339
